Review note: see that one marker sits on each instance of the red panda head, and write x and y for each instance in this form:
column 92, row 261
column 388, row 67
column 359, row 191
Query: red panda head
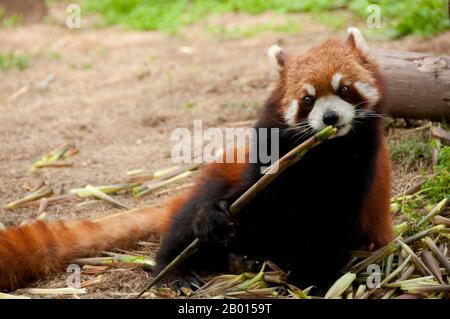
column 335, row 83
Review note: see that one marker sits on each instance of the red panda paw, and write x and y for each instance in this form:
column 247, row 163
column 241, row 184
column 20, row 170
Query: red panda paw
column 180, row 280
column 240, row 263
column 213, row 223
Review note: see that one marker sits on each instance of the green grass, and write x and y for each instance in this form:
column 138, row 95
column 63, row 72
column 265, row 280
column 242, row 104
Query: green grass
column 439, row 185
column 414, row 150
column 398, row 17
column 401, row 18
column 189, row 105
column 12, row 60
column 81, row 66
column 334, row 20
column 435, row 189
column 247, row 32
column 12, row 21
column 9, row 22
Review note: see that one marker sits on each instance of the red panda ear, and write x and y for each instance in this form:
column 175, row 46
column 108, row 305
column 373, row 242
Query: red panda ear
column 356, row 40
column 277, row 56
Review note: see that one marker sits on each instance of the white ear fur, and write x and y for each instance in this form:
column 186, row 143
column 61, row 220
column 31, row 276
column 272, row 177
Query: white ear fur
column 356, row 38
column 276, row 56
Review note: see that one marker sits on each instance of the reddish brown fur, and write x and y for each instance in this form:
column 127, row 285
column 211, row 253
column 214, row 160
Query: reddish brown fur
column 230, row 172
column 304, row 69
column 36, row 250
column 318, row 65
column 376, row 215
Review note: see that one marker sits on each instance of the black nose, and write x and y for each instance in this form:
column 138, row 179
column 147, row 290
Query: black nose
column 330, row 118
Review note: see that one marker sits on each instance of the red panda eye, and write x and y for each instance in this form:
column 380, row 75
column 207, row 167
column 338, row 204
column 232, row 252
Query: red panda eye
column 308, row 101
column 344, row 90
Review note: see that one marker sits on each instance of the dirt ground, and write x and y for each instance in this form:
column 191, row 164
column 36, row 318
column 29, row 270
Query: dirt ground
column 118, row 94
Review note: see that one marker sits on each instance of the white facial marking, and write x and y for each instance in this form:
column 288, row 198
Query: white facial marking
column 291, row 113
column 344, row 110
column 310, row 89
column 273, row 51
column 336, row 81
column 360, row 43
column 370, row 93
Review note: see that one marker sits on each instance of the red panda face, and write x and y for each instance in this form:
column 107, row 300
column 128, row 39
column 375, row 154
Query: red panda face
column 333, row 84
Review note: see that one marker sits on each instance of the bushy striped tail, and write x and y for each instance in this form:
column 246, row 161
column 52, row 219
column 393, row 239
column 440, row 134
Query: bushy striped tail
column 36, row 250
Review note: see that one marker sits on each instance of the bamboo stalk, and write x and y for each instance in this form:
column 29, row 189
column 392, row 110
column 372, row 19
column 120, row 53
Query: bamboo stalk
column 432, row 265
column 395, row 272
column 278, row 167
column 389, row 261
column 415, row 130
column 142, row 190
column 440, row 220
column 416, row 289
column 424, row 233
column 410, row 191
column 400, row 228
column 55, row 158
column 38, row 194
column 271, row 173
column 440, row 133
column 109, row 262
column 389, row 277
column 50, row 200
column 407, row 272
column 93, row 281
column 92, row 191
column 435, row 151
column 164, row 174
column 375, row 257
column 107, row 189
column 8, row 296
column 360, row 291
column 399, row 283
column 57, row 163
column 53, row 291
column 442, row 258
column 435, row 211
column 415, row 259
column 339, row 287
column 247, row 284
column 297, row 293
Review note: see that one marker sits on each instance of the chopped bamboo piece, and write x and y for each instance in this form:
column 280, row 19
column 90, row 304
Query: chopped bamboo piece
column 34, row 196
column 53, row 291
column 92, row 191
column 442, row 258
column 432, row 265
column 435, row 211
column 415, row 259
column 8, row 296
column 56, row 158
column 340, row 286
column 142, row 190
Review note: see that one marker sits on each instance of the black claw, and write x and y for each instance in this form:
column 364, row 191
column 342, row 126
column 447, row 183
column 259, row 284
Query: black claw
column 224, row 206
column 191, row 282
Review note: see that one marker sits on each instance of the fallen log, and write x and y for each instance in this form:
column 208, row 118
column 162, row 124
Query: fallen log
column 417, row 84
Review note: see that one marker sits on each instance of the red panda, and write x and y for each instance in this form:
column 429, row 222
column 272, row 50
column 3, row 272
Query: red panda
column 307, row 221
